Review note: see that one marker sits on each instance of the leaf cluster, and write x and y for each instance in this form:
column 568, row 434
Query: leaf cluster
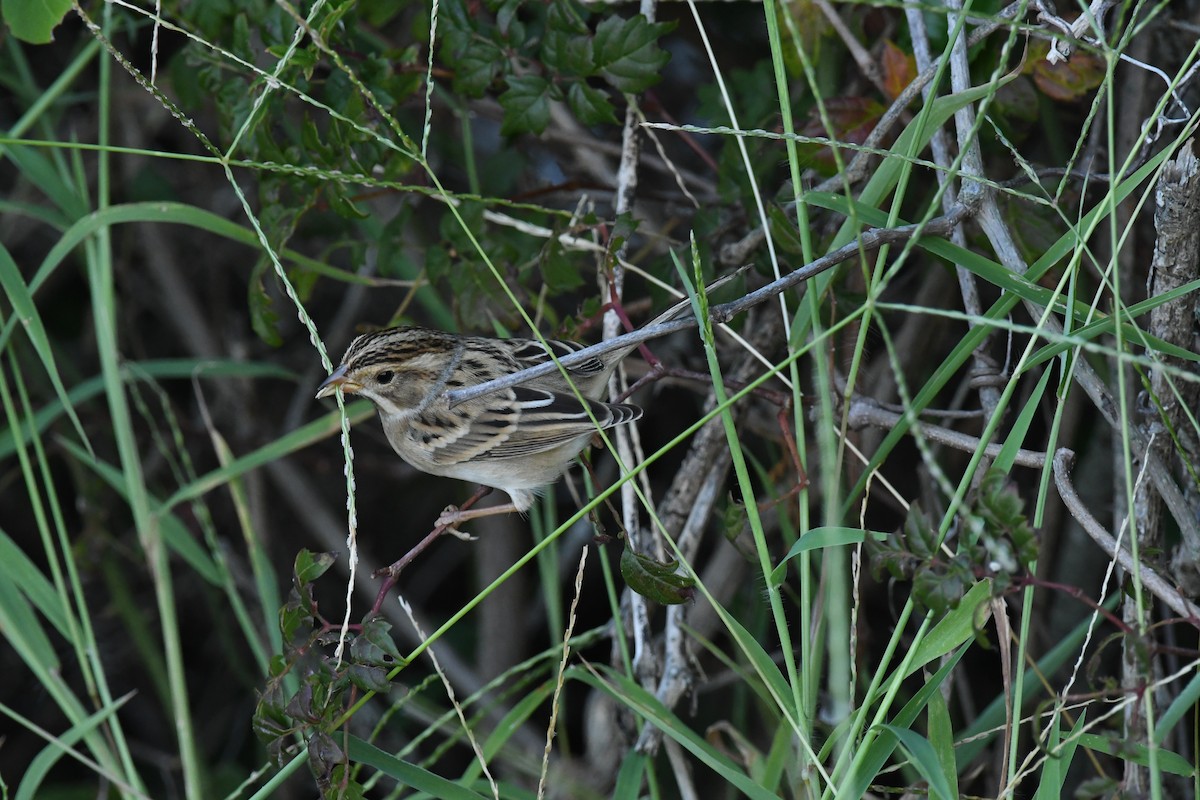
column 530, row 55
column 309, row 692
column 997, row 543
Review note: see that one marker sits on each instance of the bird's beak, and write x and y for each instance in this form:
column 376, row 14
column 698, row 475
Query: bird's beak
column 338, row 378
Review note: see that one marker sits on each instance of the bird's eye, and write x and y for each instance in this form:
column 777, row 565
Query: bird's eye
column 385, row 376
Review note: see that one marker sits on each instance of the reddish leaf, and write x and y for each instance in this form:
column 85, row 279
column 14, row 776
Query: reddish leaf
column 852, row 120
column 1066, row 81
column 899, row 69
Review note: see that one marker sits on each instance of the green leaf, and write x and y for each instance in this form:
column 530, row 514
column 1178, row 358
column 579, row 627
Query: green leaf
column 132, row 371
column 631, row 775
column 323, row 754
column 1183, row 705
column 407, row 774
column 1167, row 760
column 478, row 67
column 526, row 105
column 590, row 105
column 369, row 679
column 310, row 565
column 1054, row 770
column 818, row 538
column 956, row 628
column 657, row 581
column 925, row 759
column 939, row 591
column 629, row 694
column 41, row 765
column 34, row 21
column 568, row 53
column 878, row 752
column 627, row 53
column 342, row 204
column 178, row 536
column 783, row 231
column 263, row 318
column 920, row 533
column 559, row 272
column 374, row 645
column 23, row 630
column 18, row 571
column 342, row 785
column 21, row 297
column 941, row 737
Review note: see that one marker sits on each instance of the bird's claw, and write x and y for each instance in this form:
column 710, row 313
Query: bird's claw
column 449, row 519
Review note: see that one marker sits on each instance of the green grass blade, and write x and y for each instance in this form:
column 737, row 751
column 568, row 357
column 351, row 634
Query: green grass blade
column 25, row 312
column 629, row 693
column 407, row 774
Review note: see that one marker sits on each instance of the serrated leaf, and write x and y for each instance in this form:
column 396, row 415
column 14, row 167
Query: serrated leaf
column 477, row 67
column 342, row 786
column 1003, row 511
column 627, row 54
column 919, row 533
column 295, row 623
column 526, row 105
column 368, row 678
column 886, row 557
column 940, row 592
column 565, row 17
column 568, row 54
column 655, row 580
column 506, row 15
column 590, row 105
column 374, row 644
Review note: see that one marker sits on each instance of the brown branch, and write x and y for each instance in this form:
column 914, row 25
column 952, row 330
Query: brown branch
column 1064, row 459
column 864, row 412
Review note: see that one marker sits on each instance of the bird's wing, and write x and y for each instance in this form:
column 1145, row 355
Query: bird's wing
column 528, row 421
column 531, row 353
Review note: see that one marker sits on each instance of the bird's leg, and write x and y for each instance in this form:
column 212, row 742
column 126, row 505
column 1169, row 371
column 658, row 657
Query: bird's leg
column 453, row 515
column 392, row 573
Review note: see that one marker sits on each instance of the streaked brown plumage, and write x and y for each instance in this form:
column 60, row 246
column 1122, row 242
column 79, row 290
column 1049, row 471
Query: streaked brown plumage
column 519, row 439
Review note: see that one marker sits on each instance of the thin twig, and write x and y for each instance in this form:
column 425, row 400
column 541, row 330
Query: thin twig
column 863, row 412
column 1064, row 459
column 871, row 239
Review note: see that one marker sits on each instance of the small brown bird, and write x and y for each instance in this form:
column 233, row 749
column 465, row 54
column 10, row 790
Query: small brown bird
column 519, row 439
